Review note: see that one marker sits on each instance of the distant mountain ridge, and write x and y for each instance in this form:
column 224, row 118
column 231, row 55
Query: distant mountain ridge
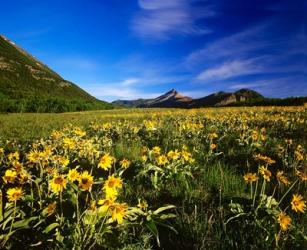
column 173, row 99
column 226, row 98
column 26, row 84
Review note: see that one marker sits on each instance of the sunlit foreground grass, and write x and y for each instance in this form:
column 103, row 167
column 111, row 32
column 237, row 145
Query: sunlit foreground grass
column 138, row 179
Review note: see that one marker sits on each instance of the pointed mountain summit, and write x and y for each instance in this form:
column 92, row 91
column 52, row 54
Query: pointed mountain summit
column 28, row 85
column 171, row 99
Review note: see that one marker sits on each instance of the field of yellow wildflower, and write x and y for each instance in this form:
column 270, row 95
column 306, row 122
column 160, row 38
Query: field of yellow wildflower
column 224, row 178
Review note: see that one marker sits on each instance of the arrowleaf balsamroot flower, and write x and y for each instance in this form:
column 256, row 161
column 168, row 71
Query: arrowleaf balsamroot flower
column 58, row 183
column 110, row 187
column 13, row 156
column 118, row 212
column 156, row 150
column 85, row 181
column 143, row 205
column 162, row 160
column 14, row 194
column 106, row 162
column 266, row 174
column 298, row 204
column 301, row 175
column 264, row 158
column 250, row 177
column 124, row 163
column 9, row 176
column 173, row 155
column 73, row 175
column 105, row 204
column 284, row 221
column 186, row 156
column 282, row 178
column 113, row 182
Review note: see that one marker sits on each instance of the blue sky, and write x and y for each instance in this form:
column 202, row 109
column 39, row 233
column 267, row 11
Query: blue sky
column 127, row 49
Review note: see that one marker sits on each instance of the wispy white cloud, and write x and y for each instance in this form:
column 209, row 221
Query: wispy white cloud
column 229, row 70
column 130, row 81
column 160, row 19
column 256, row 40
column 235, row 46
column 152, row 71
column 254, row 51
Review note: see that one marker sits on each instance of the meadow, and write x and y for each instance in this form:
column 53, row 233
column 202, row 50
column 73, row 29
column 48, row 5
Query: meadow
column 214, row 178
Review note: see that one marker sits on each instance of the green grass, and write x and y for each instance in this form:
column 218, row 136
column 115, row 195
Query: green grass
column 29, row 126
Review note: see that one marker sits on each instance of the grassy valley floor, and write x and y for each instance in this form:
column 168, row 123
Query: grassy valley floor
column 216, row 178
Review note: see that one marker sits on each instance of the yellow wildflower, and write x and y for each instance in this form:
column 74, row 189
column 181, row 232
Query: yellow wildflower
column 33, row 156
column 13, row 156
column 69, row 143
column 113, row 182
column 118, row 212
column 106, row 162
column 173, row 155
column 111, row 185
column 58, row 183
column 250, row 177
column 73, row 175
column 264, row 158
column 9, row 176
column 186, row 156
column 282, row 178
column 301, row 175
column 162, row 160
column 266, row 174
column 124, row 163
column 297, row 203
column 85, row 181
column 299, row 155
column 255, row 135
column 23, row 177
column 79, row 132
column 156, row 150
column 14, row 194
column 212, row 136
column 51, row 170
column 17, row 165
column 106, row 204
column 142, row 205
column 284, row 221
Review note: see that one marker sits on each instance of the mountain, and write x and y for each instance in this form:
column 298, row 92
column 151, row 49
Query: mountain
column 172, row 99
column 26, row 84
column 226, row 98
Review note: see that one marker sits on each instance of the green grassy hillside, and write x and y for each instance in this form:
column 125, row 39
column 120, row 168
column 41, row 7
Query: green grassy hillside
column 28, row 85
